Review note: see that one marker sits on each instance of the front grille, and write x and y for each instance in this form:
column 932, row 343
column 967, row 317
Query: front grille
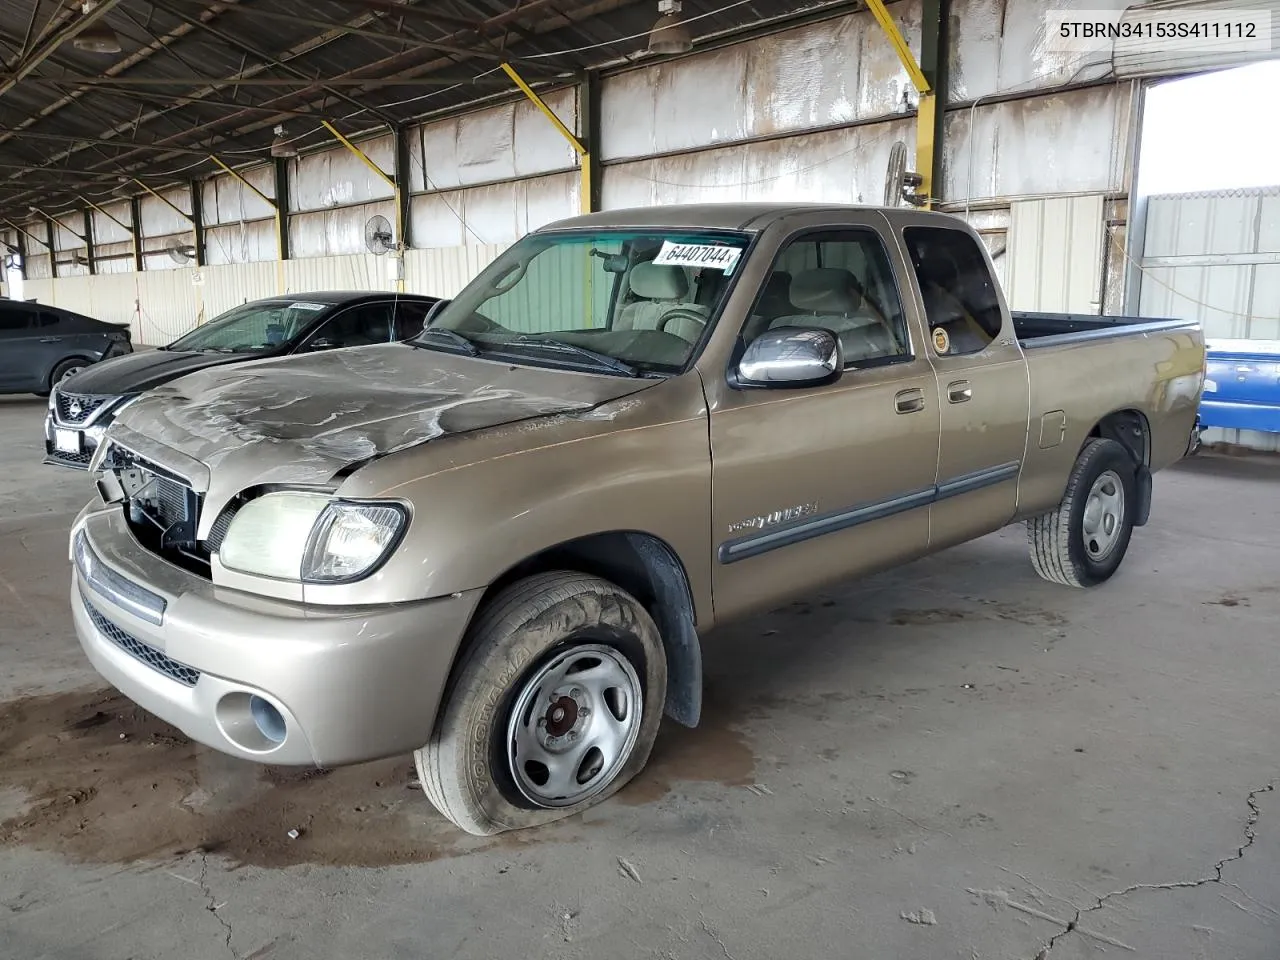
column 162, row 509
column 142, row 652
column 76, row 409
column 80, row 459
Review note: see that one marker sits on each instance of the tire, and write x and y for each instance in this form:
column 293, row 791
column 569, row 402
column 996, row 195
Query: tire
column 1074, row 544
column 65, row 369
column 521, row 644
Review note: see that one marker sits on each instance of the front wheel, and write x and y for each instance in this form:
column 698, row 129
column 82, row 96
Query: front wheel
column 65, row 370
column 1082, row 542
column 553, row 708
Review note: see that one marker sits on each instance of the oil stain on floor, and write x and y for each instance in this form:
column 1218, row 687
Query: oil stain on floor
column 93, row 777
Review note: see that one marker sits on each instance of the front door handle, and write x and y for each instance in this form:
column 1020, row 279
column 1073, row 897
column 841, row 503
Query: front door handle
column 909, row 401
column 959, row 392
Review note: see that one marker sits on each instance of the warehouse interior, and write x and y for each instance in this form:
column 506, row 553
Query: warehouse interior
column 949, row 759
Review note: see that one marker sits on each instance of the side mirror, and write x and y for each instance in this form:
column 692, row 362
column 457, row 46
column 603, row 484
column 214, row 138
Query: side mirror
column 323, row 343
column 792, row 357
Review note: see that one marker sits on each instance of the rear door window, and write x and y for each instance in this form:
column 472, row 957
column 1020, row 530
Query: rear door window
column 961, row 304
column 14, row 321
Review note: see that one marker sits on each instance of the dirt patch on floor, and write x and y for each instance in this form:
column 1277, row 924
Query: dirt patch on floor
column 105, row 781
column 712, row 752
column 93, row 777
column 988, row 610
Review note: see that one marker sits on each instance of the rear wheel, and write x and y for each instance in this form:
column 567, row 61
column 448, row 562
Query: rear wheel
column 553, row 708
column 1083, row 541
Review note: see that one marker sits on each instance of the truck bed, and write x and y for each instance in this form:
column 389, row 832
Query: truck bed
column 1051, row 329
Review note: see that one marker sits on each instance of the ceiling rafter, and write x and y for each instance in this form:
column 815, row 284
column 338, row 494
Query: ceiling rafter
column 396, row 62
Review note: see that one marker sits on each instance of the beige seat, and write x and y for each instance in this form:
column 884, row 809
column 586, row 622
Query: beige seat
column 660, row 291
column 829, row 297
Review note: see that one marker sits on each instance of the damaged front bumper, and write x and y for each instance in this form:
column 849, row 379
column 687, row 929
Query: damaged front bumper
column 259, row 678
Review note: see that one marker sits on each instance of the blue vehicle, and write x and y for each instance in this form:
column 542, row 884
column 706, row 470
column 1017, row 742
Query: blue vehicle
column 1242, row 385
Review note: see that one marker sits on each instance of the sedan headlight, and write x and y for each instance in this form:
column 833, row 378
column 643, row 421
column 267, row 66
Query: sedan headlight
column 313, row 537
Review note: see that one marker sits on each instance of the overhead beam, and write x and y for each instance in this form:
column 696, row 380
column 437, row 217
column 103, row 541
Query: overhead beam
column 236, row 43
column 45, row 50
column 362, row 32
column 299, row 81
column 409, row 66
column 123, row 144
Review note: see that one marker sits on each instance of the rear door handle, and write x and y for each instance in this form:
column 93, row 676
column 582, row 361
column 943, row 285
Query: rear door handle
column 959, row 392
column 50, row 339
column 909, row 401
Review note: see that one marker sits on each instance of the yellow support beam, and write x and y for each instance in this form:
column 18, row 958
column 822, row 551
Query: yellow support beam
column 584, row 156
column 122, row 226
column 167, row 202
column 29, row 236
column 899, row 42
column 52, row 219
column 275, row 210
column 926, row 114
column 390, row 181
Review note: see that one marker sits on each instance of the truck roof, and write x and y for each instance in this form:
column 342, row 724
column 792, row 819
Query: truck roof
column 724, row 216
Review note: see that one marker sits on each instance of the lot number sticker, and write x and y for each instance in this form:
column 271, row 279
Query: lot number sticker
column 708, row 255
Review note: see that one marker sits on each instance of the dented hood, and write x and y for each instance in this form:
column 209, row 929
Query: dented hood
column 304, row 419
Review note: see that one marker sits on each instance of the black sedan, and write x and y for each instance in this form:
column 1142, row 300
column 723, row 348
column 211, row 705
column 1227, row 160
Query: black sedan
column 40, row 346
column 82, row 407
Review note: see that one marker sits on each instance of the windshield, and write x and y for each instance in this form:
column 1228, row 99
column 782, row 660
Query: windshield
column 253, row 326
column 641, row 299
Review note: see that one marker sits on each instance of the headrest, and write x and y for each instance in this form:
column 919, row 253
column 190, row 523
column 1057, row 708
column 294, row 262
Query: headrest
column 654, row 282
column 825, row 290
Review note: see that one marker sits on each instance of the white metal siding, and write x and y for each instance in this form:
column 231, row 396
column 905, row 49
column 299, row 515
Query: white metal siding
column 1055, row 255
column 1215, row 258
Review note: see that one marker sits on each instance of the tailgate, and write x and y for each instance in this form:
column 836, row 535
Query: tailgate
column 1242, row 385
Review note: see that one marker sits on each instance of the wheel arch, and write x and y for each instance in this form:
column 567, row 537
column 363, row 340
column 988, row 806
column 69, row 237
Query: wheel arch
column 53, row 367
column 651, row 571
column 1132, row 430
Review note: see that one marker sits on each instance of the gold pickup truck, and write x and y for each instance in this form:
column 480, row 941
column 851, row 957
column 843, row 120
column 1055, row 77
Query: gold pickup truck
column 498, row 545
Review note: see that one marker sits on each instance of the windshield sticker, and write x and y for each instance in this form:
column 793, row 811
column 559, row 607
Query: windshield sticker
column 710, row 255
column 303, row 305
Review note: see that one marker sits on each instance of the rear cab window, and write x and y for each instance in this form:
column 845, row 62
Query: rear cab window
column 961, row 304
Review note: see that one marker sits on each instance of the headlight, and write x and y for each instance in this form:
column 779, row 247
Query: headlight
column 294, row 535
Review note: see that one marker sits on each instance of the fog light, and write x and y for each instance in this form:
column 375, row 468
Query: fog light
column 267, row 719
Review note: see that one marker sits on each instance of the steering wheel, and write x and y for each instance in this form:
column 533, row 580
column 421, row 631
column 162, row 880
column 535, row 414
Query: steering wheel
column 682, row 313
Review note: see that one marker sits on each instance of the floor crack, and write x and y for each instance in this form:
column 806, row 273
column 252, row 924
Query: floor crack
column 213, row 906
column 1249, row 836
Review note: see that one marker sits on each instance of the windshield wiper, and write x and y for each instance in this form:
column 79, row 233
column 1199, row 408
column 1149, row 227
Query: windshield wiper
column 599, row 359
column 457, row 339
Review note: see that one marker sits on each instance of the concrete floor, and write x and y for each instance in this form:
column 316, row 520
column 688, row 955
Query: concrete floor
column 954, row 759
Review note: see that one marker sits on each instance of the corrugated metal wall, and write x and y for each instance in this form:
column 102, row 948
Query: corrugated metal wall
column 810, row 113
column 1055, row 255
column 1215, row 258
column 159, row 307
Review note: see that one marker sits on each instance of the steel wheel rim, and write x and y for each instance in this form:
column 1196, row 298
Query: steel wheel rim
column 70, row 373
column 1103, row 516
column 573, row 725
